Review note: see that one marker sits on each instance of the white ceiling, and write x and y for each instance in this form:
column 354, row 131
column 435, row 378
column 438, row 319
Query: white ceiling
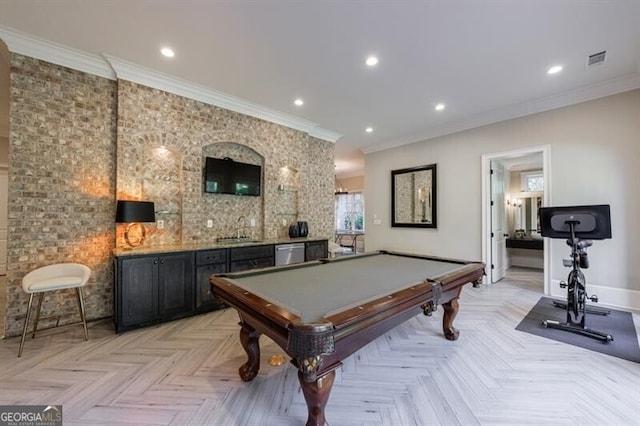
column 486, row 60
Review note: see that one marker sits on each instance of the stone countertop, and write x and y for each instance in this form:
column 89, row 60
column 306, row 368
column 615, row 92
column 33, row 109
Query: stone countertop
column 208, row 245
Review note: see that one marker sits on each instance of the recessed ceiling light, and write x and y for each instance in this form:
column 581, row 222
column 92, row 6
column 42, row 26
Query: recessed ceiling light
column 298, row 102
column 369, row 129
column 371, row 61
column 439, row 107
column 166, row 51
column 554, row 69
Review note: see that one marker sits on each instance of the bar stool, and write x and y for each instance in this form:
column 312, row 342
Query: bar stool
column 51, row 278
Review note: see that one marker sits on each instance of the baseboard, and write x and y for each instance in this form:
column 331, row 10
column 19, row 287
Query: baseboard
column 621, row 298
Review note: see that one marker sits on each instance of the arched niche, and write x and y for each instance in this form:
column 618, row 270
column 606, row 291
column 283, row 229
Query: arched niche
column 150, row 168
column 230, row 214
column 287, row 199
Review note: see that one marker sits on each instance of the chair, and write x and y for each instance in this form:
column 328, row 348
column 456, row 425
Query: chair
column 51, row 278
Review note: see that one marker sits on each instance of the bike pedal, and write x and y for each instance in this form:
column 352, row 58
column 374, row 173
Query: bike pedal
column 594, row 298
column 563, row 284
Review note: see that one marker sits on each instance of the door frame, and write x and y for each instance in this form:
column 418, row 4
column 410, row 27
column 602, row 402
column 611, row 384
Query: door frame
column 486, row 203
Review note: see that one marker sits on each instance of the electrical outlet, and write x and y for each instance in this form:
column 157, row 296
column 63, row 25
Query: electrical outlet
column 160, row 224
column 210, row 223
column 377, row 221
column 284, row 222
column 253, row 222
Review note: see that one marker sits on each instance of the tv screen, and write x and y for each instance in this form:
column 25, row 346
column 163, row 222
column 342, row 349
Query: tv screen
column 225, row 176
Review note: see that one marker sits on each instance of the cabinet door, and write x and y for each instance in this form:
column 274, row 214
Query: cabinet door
column 251, row 252
column 175, row 284
column 314, row 250
column 204, row 296
column 245, row 265
column 138, row 291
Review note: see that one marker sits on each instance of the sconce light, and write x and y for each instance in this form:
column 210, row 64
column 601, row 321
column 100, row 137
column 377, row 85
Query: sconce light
column 133, row 212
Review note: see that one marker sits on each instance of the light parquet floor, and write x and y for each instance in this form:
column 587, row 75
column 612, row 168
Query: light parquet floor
column 185, row 372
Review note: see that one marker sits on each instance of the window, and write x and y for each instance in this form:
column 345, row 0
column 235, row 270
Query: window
column 532, row 181
column 350, row 211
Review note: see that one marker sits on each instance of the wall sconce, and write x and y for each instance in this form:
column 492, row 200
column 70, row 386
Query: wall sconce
column 133, row 212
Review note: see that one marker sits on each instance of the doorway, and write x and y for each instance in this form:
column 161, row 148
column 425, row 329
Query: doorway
column 505, row 206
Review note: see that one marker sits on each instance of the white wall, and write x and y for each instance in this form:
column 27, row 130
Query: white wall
column 595, row 159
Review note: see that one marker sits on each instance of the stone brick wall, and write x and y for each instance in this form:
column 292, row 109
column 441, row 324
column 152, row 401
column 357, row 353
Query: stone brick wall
column 61, row 185
column 78, row 142
column 149, row 119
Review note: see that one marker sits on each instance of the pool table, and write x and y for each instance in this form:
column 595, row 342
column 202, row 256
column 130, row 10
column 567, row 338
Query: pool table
column 321, row 312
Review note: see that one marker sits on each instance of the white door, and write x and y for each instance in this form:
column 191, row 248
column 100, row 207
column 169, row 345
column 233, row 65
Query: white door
column 498, row 231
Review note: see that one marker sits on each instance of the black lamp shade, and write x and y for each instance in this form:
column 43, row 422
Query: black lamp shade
column 135, row 211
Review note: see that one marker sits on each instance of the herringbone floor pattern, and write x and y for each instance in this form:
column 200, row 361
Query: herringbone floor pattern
column 185, row 372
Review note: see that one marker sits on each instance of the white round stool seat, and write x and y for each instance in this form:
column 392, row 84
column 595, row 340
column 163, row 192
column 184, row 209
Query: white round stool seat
column 59, row 276
column 56, row 277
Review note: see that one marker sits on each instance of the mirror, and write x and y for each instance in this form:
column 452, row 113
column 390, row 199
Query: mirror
column 413, row 197
column 526, row 216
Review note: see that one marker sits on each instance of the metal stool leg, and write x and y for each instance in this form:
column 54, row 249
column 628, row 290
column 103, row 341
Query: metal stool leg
column 26, row 324
column 82, row 313
column 35, row 324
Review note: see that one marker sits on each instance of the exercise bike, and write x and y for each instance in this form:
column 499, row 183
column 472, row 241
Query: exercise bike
column 579, row 224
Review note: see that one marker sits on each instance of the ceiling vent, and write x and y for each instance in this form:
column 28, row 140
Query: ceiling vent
column 596, row 58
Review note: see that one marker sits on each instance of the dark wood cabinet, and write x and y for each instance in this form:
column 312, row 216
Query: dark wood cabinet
column 208, row 262
column 137, row 295
column 523, row 243
column 152, row 288
column 253, row 257
column 175, row 284
column 314, row 250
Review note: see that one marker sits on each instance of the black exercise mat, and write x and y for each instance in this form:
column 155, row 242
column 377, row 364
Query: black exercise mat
column 619, row 324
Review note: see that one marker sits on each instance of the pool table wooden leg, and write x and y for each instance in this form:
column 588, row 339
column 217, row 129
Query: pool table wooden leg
column 316, row 394
column 249, row 340
column 450, row 312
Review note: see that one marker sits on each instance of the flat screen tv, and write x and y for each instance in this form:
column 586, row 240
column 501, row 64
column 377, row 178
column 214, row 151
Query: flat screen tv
column 225, row 176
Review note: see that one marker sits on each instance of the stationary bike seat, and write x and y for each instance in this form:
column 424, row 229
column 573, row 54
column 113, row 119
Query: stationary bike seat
column 581, row 244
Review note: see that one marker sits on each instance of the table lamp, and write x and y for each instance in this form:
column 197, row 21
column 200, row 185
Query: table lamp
column 134, row 212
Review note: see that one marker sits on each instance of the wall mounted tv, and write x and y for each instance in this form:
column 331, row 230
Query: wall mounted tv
column 225, row 176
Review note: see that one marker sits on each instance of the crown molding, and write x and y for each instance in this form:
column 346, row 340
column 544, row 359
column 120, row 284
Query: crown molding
column 610, row 87
column 324, row 134
column 135, row 73
column 55, row 53
column 113, row 68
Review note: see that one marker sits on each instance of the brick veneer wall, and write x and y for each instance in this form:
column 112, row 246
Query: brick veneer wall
column 196, row 130
column 62, row 164
column 68, row 130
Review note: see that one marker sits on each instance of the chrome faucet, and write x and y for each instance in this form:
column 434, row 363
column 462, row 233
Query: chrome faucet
column 244, row 224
